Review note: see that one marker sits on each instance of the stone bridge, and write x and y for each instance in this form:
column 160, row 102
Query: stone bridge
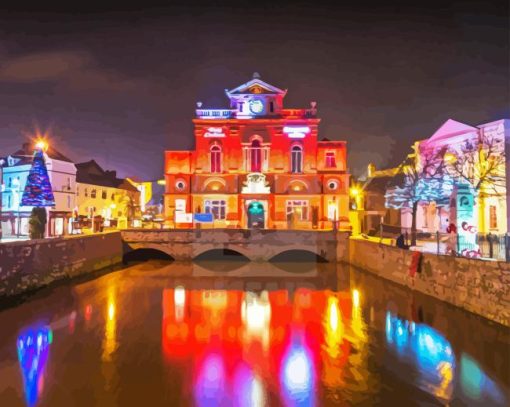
column 256, row 245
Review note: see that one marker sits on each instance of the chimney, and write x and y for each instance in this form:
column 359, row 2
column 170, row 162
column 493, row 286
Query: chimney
column 371, row 170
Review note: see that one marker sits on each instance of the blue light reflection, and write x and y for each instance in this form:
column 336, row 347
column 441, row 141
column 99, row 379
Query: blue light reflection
column 297, row 376
column 33, row 346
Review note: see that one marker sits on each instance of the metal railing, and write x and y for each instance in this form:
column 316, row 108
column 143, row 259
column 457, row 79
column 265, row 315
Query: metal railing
column 479, row 245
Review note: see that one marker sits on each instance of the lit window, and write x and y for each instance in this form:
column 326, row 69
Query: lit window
column 330, row 159
column 296, row 159
column 300, row 208
column 255, row 156
column 93, row 193
column 217, row 208
column 493, row 217
column 215, row 159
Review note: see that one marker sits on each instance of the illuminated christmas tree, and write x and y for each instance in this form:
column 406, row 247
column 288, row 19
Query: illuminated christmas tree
column 38, row 191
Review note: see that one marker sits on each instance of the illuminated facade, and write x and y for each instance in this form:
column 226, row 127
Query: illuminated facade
column 258, row 165
column 488, row 204
column 62, row 175
column 101, row 193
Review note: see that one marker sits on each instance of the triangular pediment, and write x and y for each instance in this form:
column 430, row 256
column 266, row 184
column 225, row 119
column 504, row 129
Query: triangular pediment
column 255, row 86
column 451, row 128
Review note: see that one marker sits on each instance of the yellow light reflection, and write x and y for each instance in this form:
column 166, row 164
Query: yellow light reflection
column 333, row 337
column 180, row 302
column 256, row 316
column 444, row 389
column 358, row 325
column 355, row 298
column 333, row 327
column 215, row 302
column 110, row 334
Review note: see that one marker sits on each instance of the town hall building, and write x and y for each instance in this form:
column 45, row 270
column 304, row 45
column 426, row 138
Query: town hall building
column 258, row 165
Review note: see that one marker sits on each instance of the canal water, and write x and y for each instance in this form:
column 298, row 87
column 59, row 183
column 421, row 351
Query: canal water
column 170, row 334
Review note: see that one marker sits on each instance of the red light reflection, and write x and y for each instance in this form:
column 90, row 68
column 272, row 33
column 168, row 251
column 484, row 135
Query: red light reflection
column 234, row 340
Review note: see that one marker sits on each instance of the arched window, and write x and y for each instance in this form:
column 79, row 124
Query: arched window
column 296, row 159
column 256, row 156
column 215, row 159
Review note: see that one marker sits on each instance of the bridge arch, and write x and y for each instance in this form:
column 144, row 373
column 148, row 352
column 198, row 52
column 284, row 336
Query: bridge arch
column 222, row 254
column 146, row 253
column 298, row 256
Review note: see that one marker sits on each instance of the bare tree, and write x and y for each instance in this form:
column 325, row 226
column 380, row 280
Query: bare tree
column 421, row 177
column 479, row 163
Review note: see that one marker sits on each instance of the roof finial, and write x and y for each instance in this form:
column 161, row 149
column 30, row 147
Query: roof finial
column 256, row 75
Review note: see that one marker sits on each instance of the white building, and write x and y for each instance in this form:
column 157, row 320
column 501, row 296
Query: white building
column 62, row 175
column 489, row 213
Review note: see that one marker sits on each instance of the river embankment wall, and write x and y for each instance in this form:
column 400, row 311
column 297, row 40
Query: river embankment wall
column 32, row 264
column 478, row 286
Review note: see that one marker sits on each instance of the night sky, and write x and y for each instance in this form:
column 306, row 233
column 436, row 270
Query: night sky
column 121, row 86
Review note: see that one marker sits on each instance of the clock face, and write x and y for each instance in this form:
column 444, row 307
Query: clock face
column 256, row 106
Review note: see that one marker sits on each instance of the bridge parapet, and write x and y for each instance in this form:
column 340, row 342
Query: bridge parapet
column 256, row 245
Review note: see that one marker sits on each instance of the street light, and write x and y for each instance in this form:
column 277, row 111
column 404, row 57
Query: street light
column 41, row 145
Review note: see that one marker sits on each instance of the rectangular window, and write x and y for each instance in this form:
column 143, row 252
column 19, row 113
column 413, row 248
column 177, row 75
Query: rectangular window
column 93, row 193
column 218, row 208
column 300, row 208
column 103, row 195
column 493, row 217
column 68, row 201
column 330, row 159
column 332, row 210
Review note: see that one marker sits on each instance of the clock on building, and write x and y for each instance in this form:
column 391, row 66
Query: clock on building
column 256, row 106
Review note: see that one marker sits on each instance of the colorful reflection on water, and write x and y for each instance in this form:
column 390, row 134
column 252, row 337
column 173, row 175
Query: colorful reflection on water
column 33, row 346
column 239, row 342
column 433, row 357
column 262, row 346
column 475, row 383
column 427, row 349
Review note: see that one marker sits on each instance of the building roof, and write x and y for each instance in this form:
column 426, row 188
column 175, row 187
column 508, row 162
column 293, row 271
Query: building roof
column 25, row 155
column 90, row 172
column 451, row 128
column 256, row 85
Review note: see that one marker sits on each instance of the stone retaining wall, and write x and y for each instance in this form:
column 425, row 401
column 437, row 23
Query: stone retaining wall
column 31, row 264
column 482, row 287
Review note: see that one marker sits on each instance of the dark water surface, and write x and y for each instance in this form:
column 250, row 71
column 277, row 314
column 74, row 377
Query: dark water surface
column 170, row 334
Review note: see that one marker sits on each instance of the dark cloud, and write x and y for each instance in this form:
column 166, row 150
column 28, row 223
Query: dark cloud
column 41, row 66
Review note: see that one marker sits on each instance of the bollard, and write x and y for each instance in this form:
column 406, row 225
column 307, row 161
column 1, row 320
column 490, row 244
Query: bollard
column 491, row 248
column 507, row 247
column 437, row 241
